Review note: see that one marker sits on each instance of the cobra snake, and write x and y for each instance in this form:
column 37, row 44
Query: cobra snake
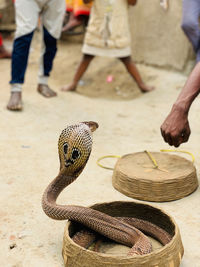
column 74, row 147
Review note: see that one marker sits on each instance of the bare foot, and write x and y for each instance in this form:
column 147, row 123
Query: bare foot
column 4, row 53
column 44, row 90
column 15, row 101
column 70, row 87
column 145, row 88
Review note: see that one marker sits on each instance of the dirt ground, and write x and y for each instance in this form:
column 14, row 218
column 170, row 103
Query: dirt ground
column 129, row 122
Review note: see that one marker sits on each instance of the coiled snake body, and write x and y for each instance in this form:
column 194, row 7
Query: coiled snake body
column 74, row 146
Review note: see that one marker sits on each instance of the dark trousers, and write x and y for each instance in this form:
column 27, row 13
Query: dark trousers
column 20, row 55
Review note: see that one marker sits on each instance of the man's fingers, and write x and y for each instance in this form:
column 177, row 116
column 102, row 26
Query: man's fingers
column 169, row 139
column 183, row 137
column 163, row 134
column 173, row 140
column 166, row 136
column 186, row 136
column 176, row 140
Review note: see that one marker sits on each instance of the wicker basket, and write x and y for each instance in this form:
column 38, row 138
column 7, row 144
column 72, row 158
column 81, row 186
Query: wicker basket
column 135, row 176
column 165, row 256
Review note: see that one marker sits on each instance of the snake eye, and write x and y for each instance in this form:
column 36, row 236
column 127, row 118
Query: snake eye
column 76, row 154
column 65, row 148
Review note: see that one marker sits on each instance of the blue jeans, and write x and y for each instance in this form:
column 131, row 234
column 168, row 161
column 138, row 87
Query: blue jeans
column 20, row 56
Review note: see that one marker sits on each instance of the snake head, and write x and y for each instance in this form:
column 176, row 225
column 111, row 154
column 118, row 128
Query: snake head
column 92, row 125
column 74, row 147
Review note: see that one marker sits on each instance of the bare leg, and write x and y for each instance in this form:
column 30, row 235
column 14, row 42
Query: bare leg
column 130, row 66
column 83, row 65
column 15, row 101
column 73, row 22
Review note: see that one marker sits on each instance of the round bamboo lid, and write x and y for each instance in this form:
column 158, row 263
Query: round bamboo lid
column 136, row 176
column 114, row 255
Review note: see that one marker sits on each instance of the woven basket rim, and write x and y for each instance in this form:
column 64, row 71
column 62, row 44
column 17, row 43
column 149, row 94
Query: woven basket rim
column 157, row 251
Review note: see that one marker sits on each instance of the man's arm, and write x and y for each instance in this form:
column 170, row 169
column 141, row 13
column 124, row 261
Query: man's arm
column 132, row 2
column 175, row 129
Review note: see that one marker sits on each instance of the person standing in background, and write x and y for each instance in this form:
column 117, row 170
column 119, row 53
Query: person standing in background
column 108, row 35
column 190, row 24
column 27, row 13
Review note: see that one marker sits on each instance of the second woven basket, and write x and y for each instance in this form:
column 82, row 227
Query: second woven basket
column 136, row 176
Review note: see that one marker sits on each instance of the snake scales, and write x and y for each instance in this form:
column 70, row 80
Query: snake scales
column 74, row 146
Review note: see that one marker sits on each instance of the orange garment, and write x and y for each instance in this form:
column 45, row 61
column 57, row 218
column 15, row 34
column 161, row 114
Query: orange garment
column 78, row 7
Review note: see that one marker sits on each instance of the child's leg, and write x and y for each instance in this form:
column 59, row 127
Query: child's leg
column 131, row 68
column 85, row 61
column 73, row 22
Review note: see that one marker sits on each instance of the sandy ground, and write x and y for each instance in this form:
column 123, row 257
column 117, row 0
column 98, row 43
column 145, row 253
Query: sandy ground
column 129, row 122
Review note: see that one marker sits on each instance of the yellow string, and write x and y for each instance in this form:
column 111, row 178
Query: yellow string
column 150, row 156
column 154, row 162
column 152, row 159
column 181, row 151
column 104, row 157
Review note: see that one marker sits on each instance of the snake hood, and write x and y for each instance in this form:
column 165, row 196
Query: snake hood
column 74, row 147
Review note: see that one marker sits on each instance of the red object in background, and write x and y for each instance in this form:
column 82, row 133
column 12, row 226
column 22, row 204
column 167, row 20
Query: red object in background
column 78, row 7
column 1, row 40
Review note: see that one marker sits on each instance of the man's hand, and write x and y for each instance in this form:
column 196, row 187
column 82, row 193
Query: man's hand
column 175, row 129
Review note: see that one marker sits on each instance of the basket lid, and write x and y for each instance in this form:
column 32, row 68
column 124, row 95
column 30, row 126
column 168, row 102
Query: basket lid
column 135, row 175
